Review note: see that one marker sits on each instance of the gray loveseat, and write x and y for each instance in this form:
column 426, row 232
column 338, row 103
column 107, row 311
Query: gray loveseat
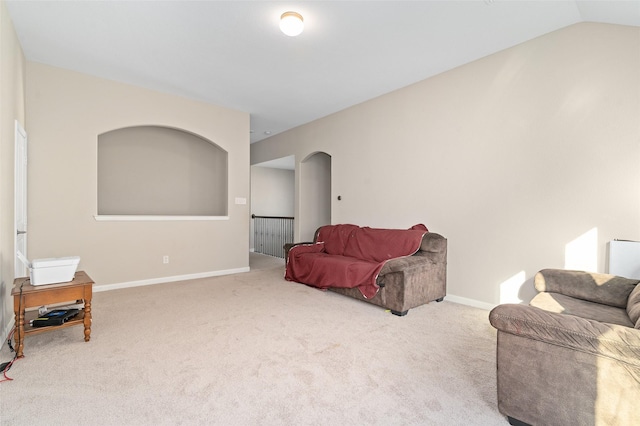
column 405, row 282
column 572, row 357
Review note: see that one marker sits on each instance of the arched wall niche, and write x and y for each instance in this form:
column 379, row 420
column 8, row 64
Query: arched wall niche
column 160, row 171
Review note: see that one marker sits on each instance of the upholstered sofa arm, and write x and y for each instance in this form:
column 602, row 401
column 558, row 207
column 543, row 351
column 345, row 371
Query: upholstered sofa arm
column 288, row 246
column 433, row 251
column 593, row 337
column 606, row 289
column 433, row 246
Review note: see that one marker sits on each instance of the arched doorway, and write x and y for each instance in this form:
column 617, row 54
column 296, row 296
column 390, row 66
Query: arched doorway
column 272, row 205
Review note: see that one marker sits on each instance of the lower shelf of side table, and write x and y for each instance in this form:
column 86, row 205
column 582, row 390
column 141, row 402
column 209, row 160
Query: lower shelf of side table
column 28, row 316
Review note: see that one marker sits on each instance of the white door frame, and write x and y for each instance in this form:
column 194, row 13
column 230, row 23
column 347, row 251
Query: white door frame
column 20, row 199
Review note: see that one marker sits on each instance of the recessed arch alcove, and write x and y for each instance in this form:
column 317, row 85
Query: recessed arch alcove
column 160, row 171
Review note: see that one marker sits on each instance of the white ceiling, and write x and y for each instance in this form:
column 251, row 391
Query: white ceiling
column 232, row 53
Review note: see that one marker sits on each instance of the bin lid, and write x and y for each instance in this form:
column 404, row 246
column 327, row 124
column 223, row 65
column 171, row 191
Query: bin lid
column 55, row 261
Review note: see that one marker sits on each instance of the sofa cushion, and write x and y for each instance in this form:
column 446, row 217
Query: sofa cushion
column 312, row 266
column 346, row 271
column 633, row 306
column 559, row 303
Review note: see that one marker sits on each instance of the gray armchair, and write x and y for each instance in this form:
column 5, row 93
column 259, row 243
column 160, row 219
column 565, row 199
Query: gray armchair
column 572, row 357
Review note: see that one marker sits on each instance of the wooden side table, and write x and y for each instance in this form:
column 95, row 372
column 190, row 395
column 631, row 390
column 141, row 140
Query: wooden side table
column 27, row 296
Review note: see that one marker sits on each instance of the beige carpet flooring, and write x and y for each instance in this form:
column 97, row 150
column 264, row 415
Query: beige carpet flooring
column 254, row 349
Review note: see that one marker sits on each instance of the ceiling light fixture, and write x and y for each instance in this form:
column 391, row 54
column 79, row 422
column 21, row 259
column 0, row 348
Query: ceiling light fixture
column 291, row 23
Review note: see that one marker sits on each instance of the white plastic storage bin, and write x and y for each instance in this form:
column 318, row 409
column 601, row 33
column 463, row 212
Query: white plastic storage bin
column 53, row 270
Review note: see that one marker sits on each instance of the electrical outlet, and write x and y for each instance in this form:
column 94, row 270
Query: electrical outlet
column 165, row 259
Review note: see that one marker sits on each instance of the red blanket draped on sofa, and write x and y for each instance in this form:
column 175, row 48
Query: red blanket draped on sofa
column 349, row 256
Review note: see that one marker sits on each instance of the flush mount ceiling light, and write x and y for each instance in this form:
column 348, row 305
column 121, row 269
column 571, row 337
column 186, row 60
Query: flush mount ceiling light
column 291, row 23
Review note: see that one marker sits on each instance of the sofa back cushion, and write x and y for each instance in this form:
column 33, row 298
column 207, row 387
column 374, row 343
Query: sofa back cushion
column 608, row 289
column 379, row 245
column 370, row 244
column 335, row 237
column 633, row 306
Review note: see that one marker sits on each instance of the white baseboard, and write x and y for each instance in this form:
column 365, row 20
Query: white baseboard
column 469, row 302
column 162, row 280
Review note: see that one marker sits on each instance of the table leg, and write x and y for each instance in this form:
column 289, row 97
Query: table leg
column 87, row 320
column 18, row 335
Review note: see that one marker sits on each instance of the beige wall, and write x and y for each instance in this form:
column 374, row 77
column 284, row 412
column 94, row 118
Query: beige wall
column 66, row 112
column 315, row 194
column 12, row 72
column 526, row 159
